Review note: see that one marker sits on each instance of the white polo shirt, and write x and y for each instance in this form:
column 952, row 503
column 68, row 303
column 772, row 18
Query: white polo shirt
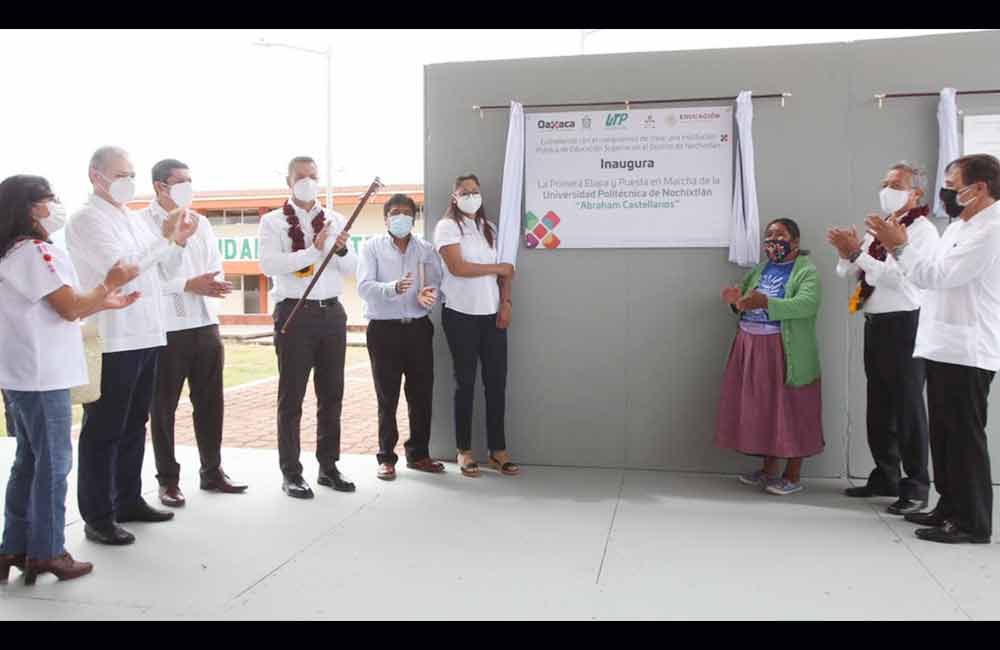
column 474, row 296
column 960, row 317
column 39, row 350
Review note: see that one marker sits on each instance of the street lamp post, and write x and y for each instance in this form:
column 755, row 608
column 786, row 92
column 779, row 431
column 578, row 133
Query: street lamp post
column 584, row 33
column 328, row 54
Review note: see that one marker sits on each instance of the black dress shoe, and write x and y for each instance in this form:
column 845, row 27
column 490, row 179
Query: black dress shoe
column 220, row 483
column 142, row 511
column 864, row 491
column 906, row 506
column 296, row 488
column 932, row 518
column 331, row 477
column 949, row 533
column 111, row 535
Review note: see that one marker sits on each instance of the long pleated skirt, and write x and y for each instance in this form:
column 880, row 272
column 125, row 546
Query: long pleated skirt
column 758, row 413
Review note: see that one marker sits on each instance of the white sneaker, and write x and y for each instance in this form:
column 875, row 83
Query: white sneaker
column 758, row 478
column 783, row 487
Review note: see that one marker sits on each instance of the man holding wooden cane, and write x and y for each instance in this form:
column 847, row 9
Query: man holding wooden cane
column 294, row 239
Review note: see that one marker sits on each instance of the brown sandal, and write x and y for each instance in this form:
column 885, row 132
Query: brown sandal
column 467, row 463
column 508, row 468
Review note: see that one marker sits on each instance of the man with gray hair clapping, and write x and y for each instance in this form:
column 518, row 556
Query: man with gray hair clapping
column 113, row 435
column 896, row 416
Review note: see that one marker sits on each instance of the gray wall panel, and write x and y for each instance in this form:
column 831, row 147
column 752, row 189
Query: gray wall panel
column 616, row 355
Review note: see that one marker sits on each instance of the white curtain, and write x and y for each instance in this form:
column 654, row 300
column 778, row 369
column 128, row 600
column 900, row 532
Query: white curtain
column 948, row 147
column 744, row 235
column 509, row 236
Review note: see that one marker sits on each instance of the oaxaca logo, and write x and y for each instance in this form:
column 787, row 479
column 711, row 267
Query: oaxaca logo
column 555, row 125
column 540, row 231
column 615, row 120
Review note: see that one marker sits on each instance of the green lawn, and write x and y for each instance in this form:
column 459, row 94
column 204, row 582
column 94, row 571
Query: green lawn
column 245, row 362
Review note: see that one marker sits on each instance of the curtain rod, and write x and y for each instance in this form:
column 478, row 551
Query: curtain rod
column 881, row 97
column 629, row 102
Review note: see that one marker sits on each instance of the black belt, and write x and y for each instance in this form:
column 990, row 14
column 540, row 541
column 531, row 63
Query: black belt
column 399, row 321
column 887, row 315
column 322, row 304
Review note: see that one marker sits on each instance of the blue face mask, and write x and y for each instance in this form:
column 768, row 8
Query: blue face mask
column 400, row 225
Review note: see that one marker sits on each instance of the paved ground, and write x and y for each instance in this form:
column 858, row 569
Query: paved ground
column 251, row 418
column 554, row 543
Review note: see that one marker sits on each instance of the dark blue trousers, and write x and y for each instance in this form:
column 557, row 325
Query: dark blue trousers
column 113, row 436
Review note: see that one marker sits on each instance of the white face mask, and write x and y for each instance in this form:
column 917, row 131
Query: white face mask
column 56, row 219
column 182, row 194
column 960, row 192
column 305, row 190
column 400, row 225
column 122, row 190
column 470, row 203
column 893, row 200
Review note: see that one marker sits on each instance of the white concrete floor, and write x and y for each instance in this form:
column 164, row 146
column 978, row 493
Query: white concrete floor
column 555, row 543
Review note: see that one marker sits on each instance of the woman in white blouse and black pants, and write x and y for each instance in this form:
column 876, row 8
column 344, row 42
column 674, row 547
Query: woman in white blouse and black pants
column 475, row 316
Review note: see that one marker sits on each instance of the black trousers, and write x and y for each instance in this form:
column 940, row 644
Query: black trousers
column 196, row 356
column 113, row 436
column 897, row 417
column 403, row 349
column 956, row 400
column 316, row 342
column 473, row 339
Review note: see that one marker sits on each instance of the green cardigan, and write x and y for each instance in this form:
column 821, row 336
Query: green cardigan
column 797, row 313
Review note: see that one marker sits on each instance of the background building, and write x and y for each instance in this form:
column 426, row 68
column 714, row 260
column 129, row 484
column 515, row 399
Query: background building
column 235, row 217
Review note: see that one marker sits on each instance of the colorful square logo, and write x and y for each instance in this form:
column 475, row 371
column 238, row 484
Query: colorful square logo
column 541, row 231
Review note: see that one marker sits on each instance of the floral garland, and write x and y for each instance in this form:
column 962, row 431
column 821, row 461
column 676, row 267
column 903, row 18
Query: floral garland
column 878, row 251
column 295, row 231
column 298, row 237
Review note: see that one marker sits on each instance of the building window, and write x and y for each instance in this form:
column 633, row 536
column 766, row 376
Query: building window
column 214, row 217
column 251, row 294
column 236, row 280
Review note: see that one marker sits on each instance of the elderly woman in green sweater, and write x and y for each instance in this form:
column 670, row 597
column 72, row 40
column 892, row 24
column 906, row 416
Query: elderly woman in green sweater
column 770, row 405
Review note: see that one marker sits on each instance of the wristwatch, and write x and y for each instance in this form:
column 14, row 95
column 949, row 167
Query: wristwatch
column 854, row 256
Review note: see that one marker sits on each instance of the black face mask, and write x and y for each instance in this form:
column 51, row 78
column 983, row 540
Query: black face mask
column 949, row 198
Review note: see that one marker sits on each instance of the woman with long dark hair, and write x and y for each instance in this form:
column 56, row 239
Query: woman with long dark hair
column 41, row 359
column 476, row 314
column 770, row 403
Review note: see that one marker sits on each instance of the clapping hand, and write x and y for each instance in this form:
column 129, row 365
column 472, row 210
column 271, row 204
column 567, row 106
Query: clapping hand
column 207, row 285
column 120, row 274
column 427, row 297
column 117, row 300
column 404, row 283
column 845, row 240
column 730, row 295
column 891, row 233
column 753, row 300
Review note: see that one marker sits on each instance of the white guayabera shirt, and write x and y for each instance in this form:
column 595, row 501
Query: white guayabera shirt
column 960, row 318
